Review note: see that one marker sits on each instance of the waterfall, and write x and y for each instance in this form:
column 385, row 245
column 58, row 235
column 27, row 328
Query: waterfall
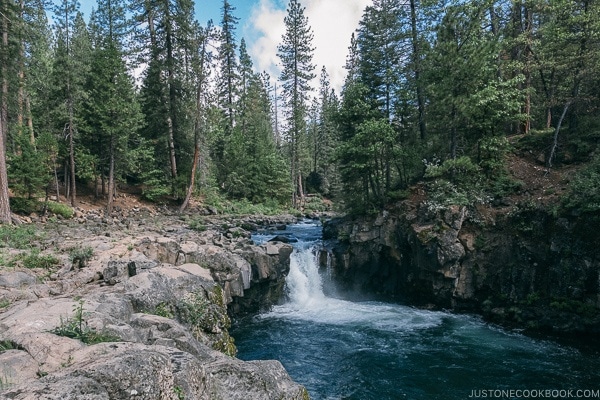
column 304, row 284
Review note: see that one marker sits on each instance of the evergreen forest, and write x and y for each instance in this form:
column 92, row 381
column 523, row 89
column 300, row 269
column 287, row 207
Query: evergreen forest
column 140, row 94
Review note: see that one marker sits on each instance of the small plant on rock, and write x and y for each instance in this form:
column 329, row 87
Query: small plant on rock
column 76, row 327
column 18, row 237
column 34, row 260
column 80, row 256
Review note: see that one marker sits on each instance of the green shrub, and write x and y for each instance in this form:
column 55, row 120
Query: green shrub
column 24, row 206
column 459, row 170
column 208, row 315
column 76, row 328
column 34, row 260
column 81, row 255
column 18, row 237
column 198, row 224
column 163, row 310
column 584, row 191
column 492, row 154
column 60, row 209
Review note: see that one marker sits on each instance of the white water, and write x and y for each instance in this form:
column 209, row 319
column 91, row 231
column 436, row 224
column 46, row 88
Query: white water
column 308, row 302
column 371, row 350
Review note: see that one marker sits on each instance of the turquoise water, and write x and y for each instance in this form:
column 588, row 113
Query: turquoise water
column 342, row 349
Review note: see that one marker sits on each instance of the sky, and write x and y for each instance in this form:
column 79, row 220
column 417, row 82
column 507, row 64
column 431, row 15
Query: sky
column 261, row 25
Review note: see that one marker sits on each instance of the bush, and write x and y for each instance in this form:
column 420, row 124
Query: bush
column 198, row 224
column 24, row 206
column 18, row 237
column 61, row 209
column 584, row 191
column 81, row 255
column 34, row 260
column 492, row 153
column 76, row 327
column 459, row 170
column 456, row 182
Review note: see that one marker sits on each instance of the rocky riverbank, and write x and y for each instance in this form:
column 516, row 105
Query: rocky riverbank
column 517, row 265
column 137, row 307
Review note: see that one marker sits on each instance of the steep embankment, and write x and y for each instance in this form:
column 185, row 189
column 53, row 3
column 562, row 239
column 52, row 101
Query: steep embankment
column 514, row 262
column 137, row 308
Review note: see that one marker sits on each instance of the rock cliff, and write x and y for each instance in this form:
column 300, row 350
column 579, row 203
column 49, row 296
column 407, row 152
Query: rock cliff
column 143, row 316
column 520, row 266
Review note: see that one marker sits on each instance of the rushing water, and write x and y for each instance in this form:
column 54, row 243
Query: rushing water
column 341, row 349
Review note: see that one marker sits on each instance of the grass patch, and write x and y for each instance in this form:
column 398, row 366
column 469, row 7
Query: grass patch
column 60, row 209
column 19, row 237
column 76, row 327
column 4, row 303
column 8, row 345
column 223, row 205
column 198, row 224
column 34, row 260
column 163, row 310
column 80, row 256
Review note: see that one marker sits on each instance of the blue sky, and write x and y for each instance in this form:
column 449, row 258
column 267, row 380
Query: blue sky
column 261, row 25
column 211, row 9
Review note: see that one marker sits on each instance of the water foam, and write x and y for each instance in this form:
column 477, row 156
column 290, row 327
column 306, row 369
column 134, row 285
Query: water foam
column 308, row 302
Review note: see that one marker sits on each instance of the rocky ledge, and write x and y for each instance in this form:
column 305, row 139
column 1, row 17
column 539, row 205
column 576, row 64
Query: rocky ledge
column 138, row 309
column 521, row 267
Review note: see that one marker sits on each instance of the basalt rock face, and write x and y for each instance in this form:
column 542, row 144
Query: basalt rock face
column 147, row 317
column 524, row 268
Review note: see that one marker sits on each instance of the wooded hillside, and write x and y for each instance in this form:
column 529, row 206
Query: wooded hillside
column 141, row 94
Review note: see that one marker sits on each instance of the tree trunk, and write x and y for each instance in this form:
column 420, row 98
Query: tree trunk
column 4, row 61
column 73, row 194
column 56, row 182
column 453, row 135
column 171, row 122
column 5, row 216
column 417, row 70
column 527, row 71
column 190, row 189
column 29, row 120
column 172, row 158
column 556, row 131
column 111, row 179
column 21, row 75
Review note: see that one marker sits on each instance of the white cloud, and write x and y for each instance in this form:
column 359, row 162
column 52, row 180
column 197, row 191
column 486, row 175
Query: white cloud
column 332, row 21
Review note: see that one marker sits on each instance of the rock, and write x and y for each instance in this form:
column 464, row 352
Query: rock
column 17, row 367
column 137, row 371
column 527, row 260
column 17, row 279
column 170, row 271
column 284, row 239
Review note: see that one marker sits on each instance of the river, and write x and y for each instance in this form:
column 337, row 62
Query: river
column 360, row 350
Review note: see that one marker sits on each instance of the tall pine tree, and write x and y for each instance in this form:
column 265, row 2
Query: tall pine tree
column 296, row 52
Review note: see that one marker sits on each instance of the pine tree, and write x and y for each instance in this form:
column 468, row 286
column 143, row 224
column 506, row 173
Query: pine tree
column 295, row 53
column 112, row 109
column 71, row 65
column 379, row 42
column 228, row 72
column 322, row 137
column 38, row 66
column 167, row 88
column 201, row 66
column 245, row 77
column 256, row 171
column 7, row 14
